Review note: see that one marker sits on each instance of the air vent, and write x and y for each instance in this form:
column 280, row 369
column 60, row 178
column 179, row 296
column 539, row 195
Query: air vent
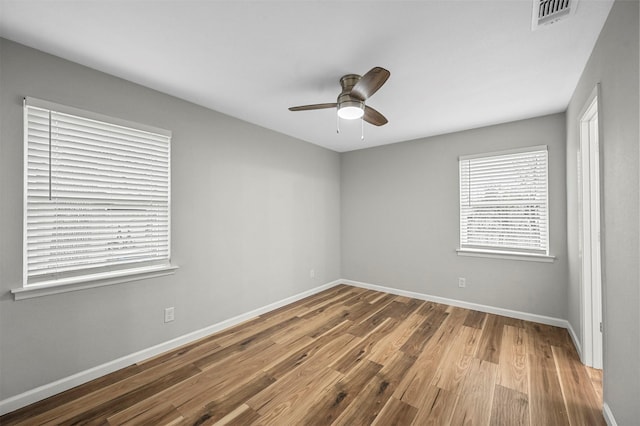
column 547, row 12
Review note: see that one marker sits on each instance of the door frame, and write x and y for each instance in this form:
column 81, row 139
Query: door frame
column 589, row 231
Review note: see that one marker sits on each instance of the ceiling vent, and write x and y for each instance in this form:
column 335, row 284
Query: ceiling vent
column 547, row 12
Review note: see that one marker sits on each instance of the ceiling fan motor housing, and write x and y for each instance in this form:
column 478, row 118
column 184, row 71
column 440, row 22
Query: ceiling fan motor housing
column 348, row 81
column 349, row 107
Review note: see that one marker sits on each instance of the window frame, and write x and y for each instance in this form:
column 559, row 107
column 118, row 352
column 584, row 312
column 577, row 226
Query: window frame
column 504, row 252
column 95, row 276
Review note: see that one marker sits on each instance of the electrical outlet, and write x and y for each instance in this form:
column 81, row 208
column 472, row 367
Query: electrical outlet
column 462, row 282
column 169, row 314
column 312, row 273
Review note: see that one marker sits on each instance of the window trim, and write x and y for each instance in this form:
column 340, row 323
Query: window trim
column 90, row 278
column 65, row 285
column 510, row 255
column 506, row 253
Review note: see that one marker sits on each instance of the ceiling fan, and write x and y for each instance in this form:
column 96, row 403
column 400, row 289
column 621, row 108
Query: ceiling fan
column 355, row 91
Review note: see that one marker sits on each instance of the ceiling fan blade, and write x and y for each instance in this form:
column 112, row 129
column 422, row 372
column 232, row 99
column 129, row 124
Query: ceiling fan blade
column 372, row 116
column 370, row 83
column 315, row 106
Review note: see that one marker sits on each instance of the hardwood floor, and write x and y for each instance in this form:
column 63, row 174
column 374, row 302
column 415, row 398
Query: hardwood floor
column 347, row 356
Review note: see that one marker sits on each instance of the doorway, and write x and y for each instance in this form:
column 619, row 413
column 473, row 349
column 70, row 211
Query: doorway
column 590, row 232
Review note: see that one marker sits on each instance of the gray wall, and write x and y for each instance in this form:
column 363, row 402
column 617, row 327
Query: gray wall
column 252, row 212
column 400, row 220
column 613, row 64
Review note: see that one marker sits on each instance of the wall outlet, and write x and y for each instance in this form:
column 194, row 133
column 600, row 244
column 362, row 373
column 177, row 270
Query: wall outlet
column 312, row 273
column 462, row 282
column 169, row 314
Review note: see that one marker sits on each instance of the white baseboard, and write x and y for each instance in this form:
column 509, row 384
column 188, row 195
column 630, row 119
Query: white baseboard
column 576, row 342
column 608, row 415
column 558, row 322
column 34, row 395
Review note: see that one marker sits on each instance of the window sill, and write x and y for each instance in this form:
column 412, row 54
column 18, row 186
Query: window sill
column 47, row 288
column 530, row 257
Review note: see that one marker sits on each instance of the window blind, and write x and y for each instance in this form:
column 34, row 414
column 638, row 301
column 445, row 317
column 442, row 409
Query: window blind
column 503, row 201
column 96, row 193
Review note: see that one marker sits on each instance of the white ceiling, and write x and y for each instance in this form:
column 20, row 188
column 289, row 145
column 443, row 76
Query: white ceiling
column 454, row 65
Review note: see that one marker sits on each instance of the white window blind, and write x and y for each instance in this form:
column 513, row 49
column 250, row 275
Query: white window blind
column 96, row 193
column 503, row 201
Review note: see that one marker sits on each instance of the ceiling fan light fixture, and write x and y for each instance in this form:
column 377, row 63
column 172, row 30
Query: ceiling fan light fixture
column 350, row 110
column 356, row 90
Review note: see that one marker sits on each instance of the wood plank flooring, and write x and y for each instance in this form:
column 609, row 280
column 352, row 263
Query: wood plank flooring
column 347, row 356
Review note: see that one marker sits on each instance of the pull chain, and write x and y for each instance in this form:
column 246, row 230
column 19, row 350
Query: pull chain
column 50, row 179
column 337, row 124
column 362, row 129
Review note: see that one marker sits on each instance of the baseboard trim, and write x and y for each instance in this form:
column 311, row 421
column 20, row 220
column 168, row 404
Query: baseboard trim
column 558, row 322
column 608, row 415
column 34, row 395
column 576, row 342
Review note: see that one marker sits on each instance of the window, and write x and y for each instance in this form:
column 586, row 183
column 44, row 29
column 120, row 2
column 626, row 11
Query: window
column 96, row 201
column 504, row 203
